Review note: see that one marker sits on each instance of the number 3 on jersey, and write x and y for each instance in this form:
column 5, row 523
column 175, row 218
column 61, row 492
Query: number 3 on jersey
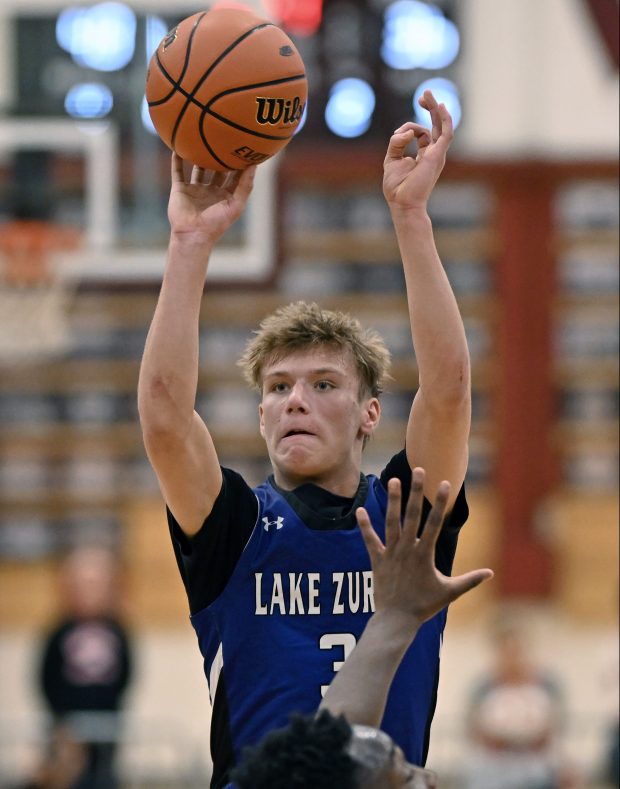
column 346, row 641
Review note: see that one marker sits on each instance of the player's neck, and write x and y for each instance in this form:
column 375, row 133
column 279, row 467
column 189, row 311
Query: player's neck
column 339, row 483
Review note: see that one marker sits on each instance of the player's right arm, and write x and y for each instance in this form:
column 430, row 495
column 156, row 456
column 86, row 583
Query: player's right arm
column 177, row 441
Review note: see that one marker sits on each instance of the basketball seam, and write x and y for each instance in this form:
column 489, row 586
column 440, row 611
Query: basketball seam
column 177, row 85
column 228, row 122
column 192, row 99
column 241, row 88
column 210, row 149
column 213, row 65
column 176, row 88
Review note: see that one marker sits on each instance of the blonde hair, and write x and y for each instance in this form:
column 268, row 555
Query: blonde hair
column 301, row 325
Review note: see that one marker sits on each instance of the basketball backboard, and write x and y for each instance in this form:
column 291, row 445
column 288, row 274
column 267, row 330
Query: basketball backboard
column 113, row 171
column 249, row 257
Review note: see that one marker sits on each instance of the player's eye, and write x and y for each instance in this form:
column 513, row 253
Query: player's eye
column 279, row 387
column 323, row 386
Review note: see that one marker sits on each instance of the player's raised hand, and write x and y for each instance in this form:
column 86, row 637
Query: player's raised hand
column 406, row 581
column 207, row 204
column 408, row 180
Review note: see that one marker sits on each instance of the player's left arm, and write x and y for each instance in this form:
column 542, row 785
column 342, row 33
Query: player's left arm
column 439, row 422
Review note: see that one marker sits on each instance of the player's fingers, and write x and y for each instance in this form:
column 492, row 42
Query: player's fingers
column 199, row 175
column 428, row 102
column 398, row 144
column 241, row 183
column 468, row 581
column 219, row 178
column 232, row 181
column 447, row 125
column 401, row 138
column 176, row 165
column 447, row 129
column 392, row 515
column 436, row 516
column 374, row 546
column 407, row 126
column 413, row 511
column 423, row 138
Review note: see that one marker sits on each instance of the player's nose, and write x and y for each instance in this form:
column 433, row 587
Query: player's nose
column 297, row 399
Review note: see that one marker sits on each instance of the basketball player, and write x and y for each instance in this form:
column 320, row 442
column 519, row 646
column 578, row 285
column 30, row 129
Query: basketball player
column 278, row 578
column 408, row 590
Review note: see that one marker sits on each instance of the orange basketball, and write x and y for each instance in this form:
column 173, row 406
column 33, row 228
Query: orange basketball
column 226, row 89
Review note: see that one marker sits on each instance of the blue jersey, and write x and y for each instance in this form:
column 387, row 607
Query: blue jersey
column 292, row 610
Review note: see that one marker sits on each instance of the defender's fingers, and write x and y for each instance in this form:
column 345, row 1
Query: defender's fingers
column 413, row 511
column 437, row 515
column 468, row 581
column 374, row 546
column 392, row 515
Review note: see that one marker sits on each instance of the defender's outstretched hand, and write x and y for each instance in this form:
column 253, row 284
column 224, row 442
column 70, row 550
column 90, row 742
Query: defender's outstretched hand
column 407, row 584
column 408, row 590
column 210, row 202
column 409, row 180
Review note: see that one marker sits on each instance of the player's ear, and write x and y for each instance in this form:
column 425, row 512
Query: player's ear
column 261, row 419
column 371, row 414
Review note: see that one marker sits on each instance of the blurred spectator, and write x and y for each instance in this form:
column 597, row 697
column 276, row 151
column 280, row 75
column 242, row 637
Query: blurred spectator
column 611, row 768
column 609, row 772
column 84, row 672
column 514, row 722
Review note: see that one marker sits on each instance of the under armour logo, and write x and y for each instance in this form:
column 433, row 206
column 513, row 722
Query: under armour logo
column 278, row 523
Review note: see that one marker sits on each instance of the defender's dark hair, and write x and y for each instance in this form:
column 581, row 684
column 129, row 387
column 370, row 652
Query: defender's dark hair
column 310, row 753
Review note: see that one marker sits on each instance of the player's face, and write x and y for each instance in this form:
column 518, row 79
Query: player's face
column 313, row 420
column 382, row 762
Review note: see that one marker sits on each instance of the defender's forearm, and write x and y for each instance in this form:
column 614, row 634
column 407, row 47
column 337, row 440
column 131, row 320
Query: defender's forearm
column 360, row 689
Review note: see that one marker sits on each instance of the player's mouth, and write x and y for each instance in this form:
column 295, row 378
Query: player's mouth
column 297, row 433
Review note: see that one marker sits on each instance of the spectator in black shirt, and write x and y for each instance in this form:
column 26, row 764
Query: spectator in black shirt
column 85, row 669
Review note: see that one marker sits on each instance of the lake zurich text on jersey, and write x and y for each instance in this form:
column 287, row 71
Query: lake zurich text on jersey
column 281, row 594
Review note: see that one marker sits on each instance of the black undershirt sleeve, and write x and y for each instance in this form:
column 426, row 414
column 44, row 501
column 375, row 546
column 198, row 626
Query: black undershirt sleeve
column 207, row 560
column 448, row 538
